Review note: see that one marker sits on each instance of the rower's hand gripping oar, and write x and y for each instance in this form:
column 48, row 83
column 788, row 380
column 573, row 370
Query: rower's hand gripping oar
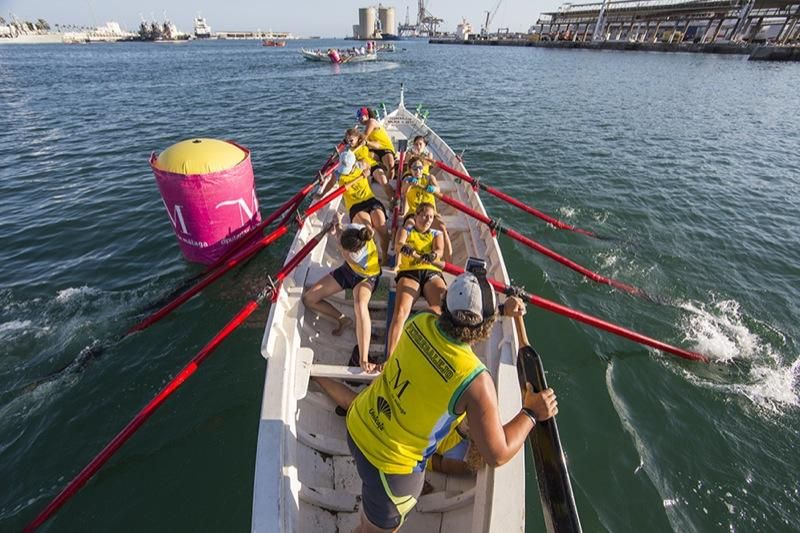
column 476, row 183
column 116, row 443
column 552, row 475
column 593, row 321
column 495, row 226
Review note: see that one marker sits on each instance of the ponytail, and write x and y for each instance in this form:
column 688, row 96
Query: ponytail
column 353, row 239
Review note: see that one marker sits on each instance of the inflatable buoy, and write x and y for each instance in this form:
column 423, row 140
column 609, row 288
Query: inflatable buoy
column 208, row 190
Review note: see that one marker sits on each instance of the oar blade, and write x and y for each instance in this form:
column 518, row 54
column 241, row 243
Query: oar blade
column 552, row 475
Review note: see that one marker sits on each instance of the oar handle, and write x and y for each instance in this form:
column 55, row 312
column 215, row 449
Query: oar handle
column 519, row 325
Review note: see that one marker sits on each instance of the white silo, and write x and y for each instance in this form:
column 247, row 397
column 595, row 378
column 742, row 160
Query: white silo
column 366, row 22
column 388, row 21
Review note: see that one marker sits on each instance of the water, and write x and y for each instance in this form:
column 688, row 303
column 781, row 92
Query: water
column 691, row 160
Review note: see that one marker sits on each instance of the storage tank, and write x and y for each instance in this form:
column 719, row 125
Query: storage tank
column 366, row 22
column 388, row 21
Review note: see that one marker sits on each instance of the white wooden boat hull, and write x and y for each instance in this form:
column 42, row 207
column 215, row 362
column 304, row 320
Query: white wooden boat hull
column 305, row 479
column 323, row 58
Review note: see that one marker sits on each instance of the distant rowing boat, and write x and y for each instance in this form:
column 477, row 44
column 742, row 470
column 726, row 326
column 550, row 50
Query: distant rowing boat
column 318, row 55
column 273, row 42
column 305, row 478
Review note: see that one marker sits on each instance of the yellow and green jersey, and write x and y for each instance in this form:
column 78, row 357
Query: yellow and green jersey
column 422, row 243
column 400, row 419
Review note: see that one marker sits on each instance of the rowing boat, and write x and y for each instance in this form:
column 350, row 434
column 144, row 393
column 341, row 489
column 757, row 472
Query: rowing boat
column 316, row 55
column 305, row 478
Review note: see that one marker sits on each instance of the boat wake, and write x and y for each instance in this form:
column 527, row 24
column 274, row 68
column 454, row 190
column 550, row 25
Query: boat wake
column 764, row 372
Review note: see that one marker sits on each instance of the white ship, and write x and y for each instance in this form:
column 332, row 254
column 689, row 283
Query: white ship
column 201, row 28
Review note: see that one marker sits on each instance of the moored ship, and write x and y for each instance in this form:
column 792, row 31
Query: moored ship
column 201, row 28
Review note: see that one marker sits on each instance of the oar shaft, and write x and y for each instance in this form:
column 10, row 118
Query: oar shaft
column 587, row 319
column 231, row 263
column 513, row 201
column 106, row 453
column 109, row 450
column 530, row 243
column 209, row 279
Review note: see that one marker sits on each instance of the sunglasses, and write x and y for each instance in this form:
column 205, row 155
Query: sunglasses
column 417, row 167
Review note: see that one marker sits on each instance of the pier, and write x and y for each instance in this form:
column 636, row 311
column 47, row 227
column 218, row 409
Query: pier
column 762, row 29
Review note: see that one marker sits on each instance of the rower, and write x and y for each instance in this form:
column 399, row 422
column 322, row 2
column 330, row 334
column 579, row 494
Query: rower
column 361, row 272
column 379, row 143
column 359, row 200
column 417, row 245
column 419, row 188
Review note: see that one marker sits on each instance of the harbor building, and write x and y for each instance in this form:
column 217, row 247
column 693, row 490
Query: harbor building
column 673, row 21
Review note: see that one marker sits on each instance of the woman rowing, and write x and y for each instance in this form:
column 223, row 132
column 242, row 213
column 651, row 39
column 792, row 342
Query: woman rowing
column 378, row 141
column 419, row 148
column 430, row 382
column 419, row 188
column 418, row 245
column 360, row 272
column 358, row 144
column 359, row 200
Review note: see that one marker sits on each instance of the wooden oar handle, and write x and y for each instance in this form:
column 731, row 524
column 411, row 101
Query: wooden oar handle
column 519, row 324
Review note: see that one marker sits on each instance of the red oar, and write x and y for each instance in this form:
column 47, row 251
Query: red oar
column 516, row 203
column 288, row 206
column 105, row 454
column 585, row 318
column 527, row 241
column 231, row 263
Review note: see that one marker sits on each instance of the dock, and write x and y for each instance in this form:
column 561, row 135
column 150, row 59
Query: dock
column 761, row 29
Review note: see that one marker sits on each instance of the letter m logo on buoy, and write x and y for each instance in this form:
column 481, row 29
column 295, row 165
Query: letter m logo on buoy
column 245, row 211
column 177, row 217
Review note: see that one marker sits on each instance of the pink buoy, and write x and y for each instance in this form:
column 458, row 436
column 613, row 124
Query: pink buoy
column 334, row 55
column 208, row 190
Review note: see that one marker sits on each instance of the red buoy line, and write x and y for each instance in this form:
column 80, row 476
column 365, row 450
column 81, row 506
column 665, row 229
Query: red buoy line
column 105, row 454
column 583, row 317
column 237, row 259
column 527, row 241
column 516, row 203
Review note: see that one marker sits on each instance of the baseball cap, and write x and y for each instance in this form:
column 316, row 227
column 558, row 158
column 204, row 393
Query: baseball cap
column 467, row 293
column 347, row 161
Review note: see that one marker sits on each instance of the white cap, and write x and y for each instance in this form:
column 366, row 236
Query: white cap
column 347, row 161
column 465, row 294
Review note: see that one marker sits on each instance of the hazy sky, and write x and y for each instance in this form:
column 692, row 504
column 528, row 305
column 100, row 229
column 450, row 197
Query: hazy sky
column 302, row 17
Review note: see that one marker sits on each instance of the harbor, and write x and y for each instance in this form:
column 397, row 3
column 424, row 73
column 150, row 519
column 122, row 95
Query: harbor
column 760, row 29
column 167, row 202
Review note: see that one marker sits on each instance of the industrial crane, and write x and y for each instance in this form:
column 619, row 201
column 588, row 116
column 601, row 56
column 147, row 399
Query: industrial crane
column 489, row 18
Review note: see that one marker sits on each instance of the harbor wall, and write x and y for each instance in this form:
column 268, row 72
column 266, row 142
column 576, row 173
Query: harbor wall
column 755, row 51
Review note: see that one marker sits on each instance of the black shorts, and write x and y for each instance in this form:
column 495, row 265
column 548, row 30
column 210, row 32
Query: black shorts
column 421, row 276
column 380, row 153
column 367, row 206
column 347, row 278
column 386, row 499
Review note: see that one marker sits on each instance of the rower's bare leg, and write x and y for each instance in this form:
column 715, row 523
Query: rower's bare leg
column 434, row 291
column 377, row 219
column 407, row 293
column 338, row 391
column 380, row 177
column 314, row 299
column 361, row 295
column 388, row 162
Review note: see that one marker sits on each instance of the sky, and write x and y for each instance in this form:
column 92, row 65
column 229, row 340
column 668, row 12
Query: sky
column 327, row 18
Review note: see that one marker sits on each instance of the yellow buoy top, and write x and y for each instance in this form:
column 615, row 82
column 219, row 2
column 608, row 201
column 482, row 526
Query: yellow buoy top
column 200, row 156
